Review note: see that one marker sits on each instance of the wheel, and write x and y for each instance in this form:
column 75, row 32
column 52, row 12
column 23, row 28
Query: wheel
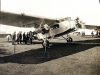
column 45, row 43
column 69, row 39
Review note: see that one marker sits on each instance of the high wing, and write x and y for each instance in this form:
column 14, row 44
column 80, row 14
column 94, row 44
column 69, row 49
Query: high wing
column 22, row 20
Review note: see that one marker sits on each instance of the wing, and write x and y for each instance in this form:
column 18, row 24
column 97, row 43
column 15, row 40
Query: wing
column 21, row 20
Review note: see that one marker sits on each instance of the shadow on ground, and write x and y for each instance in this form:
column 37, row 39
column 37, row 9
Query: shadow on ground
column 90, row 41
column 56, row 51
column 3, row 51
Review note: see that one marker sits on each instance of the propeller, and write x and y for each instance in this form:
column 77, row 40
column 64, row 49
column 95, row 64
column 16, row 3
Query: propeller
column 42, row 23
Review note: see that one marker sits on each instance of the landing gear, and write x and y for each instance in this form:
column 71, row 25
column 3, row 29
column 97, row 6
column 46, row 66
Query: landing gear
column 69, row 39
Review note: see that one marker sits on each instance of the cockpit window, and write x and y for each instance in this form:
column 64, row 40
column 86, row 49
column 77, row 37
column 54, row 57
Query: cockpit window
column 55, row 26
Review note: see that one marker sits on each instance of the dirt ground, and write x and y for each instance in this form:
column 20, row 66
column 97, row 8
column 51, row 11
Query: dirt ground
column 82, row 57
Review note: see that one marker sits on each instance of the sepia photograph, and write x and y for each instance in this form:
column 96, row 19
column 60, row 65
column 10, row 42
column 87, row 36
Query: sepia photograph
column 49, row 37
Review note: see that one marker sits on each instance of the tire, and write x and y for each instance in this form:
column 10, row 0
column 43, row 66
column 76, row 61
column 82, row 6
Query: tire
column 69, row 39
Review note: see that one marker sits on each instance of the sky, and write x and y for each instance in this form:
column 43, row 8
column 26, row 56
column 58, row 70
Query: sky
column 87, row 10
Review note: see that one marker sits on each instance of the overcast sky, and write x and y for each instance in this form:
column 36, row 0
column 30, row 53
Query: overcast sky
column 87, row 10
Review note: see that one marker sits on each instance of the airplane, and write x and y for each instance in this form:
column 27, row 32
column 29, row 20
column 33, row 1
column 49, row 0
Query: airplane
column 59, row 28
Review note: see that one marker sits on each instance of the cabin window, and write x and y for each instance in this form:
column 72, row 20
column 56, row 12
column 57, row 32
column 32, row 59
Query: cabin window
column 55, row 26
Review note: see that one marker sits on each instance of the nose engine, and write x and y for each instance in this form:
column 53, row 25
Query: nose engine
column 75, row 26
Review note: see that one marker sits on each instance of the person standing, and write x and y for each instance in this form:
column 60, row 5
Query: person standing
column 31, row 36
column 92, row 34
column 13, row 38
column 24, row 37
column 27, row 36
column 8, row 38
column 20, row 37
column 98, row 33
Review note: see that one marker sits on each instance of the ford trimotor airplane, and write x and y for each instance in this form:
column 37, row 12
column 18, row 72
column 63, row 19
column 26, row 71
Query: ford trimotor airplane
column 59, row 28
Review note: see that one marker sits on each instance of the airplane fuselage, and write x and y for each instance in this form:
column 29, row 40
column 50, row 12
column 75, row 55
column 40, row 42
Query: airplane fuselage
column 58, row 29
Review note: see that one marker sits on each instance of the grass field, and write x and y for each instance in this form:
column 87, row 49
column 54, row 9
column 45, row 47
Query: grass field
column 82, row 57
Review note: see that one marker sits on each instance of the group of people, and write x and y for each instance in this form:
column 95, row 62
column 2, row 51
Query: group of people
column 22, row 37
column 98, row 33
column 25, row 37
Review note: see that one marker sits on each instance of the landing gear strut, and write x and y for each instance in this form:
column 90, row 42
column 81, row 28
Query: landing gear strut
column 68, row 39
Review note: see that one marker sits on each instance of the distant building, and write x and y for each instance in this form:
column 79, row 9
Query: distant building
column 91, row 27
